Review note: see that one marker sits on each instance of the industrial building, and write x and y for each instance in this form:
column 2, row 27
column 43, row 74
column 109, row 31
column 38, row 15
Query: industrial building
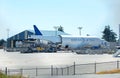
column 22, row 36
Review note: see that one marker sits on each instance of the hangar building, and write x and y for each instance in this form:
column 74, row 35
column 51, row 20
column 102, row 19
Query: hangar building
column 11, row 42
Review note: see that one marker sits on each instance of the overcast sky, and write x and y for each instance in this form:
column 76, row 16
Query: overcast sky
column 91, row 15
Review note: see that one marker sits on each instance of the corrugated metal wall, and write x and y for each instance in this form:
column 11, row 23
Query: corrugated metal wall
column 18, row 37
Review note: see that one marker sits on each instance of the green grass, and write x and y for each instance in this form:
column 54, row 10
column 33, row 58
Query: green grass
column 2, row 75
column 10, row 76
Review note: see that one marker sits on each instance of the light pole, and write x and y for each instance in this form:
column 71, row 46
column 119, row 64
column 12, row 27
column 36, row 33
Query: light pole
column 80, row 30
column 119, row 35
column 8, row 32
column 56, row 28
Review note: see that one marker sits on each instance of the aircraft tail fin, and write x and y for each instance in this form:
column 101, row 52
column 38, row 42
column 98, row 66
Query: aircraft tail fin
column 37, row 31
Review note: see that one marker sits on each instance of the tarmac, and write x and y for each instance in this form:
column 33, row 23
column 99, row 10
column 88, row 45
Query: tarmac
column 16, row 59
column 82, row 76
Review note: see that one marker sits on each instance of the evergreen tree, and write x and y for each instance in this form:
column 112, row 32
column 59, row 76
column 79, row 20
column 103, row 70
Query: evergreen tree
column 60, row 28
column 109, row 35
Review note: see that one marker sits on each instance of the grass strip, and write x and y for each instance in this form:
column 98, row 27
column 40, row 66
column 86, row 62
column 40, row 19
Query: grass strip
column 11, row 76
column 109, row 71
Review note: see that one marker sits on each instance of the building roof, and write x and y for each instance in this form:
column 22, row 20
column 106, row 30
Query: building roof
column 24, row 34
column 21, row 36
column 50, row 32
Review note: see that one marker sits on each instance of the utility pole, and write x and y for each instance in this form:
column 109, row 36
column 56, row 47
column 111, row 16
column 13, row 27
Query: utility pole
column 80, row 30
column 8, row 32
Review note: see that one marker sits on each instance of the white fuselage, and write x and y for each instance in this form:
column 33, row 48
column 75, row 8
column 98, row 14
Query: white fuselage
column 74, row 41
column 81, row 42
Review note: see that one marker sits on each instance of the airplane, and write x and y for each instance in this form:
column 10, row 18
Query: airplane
column 70, row 41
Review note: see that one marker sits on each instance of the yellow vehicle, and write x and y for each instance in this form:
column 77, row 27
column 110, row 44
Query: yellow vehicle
column 40, row 49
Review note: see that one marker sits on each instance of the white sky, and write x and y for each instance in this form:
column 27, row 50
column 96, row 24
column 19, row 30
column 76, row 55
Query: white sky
column 91, row 15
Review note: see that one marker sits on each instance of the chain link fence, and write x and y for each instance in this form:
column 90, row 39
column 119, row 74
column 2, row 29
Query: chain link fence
column 75, row 69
